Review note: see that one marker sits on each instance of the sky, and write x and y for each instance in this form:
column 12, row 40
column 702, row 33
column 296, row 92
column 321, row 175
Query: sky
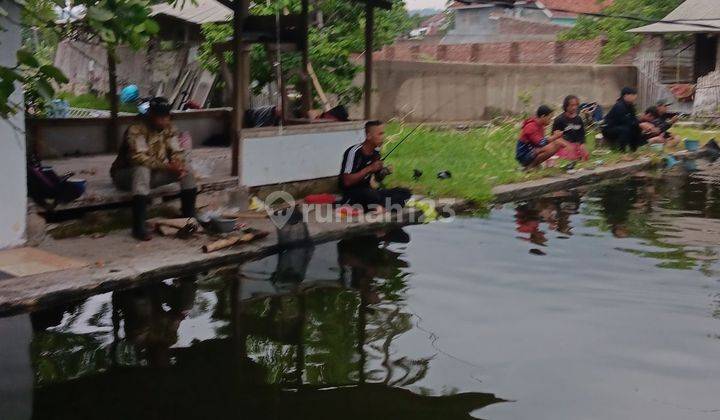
column 423, row 4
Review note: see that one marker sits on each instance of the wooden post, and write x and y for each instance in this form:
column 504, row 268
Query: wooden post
column 369, row 26
column 240, row 84
column 112, row 133
column 306, row 87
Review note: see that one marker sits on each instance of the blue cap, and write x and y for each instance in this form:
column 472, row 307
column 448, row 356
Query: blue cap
column 129, row 93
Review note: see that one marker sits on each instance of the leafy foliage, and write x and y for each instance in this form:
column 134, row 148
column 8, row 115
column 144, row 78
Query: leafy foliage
column 331, row 46
column 110, row 22
column 121, row 22
column 37, row 76
column 619, row 41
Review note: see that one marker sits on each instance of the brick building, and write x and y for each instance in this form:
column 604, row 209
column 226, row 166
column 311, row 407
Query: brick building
column 480, row 21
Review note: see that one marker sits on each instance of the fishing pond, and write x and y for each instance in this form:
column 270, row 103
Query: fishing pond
column 598, row 303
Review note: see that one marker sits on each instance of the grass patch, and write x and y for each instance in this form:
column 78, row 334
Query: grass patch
column 479, row 159
column 92, row 101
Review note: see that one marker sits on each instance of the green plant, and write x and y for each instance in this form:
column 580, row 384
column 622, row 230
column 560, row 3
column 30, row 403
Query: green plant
column 331, row 46
column 35, row 76
column 619, row 41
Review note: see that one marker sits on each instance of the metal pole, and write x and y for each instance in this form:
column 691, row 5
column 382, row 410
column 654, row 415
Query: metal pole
column 369, row 26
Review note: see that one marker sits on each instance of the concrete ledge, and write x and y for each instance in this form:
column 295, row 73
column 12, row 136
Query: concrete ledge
column 161, row 258
column 529, row 189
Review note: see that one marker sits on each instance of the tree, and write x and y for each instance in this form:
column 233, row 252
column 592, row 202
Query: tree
column 34, row 74
column 115, row 23
column 331, row 45
column 619, row 41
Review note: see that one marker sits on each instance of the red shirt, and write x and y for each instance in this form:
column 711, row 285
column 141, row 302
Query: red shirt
column 533, row 131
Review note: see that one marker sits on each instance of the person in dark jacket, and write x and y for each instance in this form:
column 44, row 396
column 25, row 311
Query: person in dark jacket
column 622, row 127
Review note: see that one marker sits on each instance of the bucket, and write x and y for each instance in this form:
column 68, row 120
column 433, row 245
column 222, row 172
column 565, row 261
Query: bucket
column 670, row 161
column 692, row 145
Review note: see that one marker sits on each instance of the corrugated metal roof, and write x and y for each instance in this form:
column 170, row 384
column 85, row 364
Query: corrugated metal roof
column 205, row 11
column 703, row 16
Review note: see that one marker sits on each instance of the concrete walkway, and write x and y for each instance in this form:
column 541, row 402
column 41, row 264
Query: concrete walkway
column 118, row 261
column 529, row 189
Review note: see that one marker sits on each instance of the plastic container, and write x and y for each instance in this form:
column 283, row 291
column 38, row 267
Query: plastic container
column 223, row 225
column 692, row 145
column 670, row 161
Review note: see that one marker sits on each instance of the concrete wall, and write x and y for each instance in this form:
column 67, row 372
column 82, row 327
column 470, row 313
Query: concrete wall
column 299, row 153
column 58, row 137
column 463, row 92
column 13, row 189
column 85, row 65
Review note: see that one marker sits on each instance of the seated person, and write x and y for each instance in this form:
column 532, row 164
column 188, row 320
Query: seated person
column 651, row 133
column 362, row 161
column 665, row 120
column 622, row 128
column 533, row 148
column 150, row 156
column 264, row 116
column 572, row 126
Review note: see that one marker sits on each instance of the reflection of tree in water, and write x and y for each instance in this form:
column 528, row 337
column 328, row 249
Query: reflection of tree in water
column 310, row 349
column 664, row 212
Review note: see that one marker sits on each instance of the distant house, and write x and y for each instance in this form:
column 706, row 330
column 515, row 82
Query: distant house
column 482, row 21
column 432, row 26
column 692, row 70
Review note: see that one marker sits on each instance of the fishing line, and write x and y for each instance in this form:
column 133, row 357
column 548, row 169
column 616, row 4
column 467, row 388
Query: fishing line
column 432, row 114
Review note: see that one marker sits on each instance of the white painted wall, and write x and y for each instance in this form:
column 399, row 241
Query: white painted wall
column 13, row 188
column 292, row 157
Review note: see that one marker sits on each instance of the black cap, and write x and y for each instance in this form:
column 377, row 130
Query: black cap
column 544, row 110
column 159, row 107
column 628, row 91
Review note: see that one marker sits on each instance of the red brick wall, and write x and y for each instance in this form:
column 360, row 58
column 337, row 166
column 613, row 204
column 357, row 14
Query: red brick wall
column 508, row 25
column 539, row 52
column 461, row 53
column 525, row 52
column 578, row 52
column 497, row 52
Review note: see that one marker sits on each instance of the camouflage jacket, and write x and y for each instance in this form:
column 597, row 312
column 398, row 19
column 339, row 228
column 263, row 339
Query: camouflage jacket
column 143, row 146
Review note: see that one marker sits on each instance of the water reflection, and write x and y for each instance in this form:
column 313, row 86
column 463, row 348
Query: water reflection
column 308, row 333
column 676, row 216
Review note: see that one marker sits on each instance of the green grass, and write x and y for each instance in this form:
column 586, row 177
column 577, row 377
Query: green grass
column 479, row 159
column 92, row 101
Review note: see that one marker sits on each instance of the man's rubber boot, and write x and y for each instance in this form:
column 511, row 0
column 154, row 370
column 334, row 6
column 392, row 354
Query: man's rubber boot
column 187, row 202
column 139, row 215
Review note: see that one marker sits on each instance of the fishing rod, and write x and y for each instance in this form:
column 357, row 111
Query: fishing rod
column 432, row 114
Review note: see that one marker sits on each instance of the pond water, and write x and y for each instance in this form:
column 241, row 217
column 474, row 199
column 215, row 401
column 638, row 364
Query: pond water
column 600, row 304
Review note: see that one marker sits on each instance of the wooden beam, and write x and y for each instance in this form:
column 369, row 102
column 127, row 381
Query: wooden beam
column 305, row 80
column 318, row 87
column 112, row 134
column 369, row 27
column 240, row 83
